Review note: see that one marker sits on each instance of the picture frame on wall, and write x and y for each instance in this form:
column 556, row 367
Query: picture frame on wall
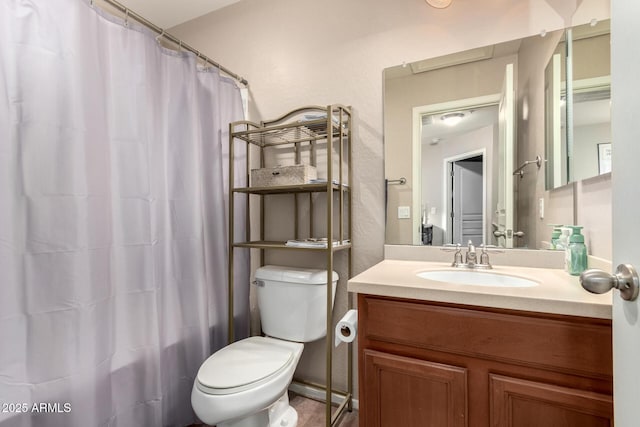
column 604, row 158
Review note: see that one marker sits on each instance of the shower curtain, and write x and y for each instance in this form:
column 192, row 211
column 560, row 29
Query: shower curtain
column 113, row 259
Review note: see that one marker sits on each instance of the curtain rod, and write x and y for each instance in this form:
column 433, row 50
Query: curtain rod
column 129, row 13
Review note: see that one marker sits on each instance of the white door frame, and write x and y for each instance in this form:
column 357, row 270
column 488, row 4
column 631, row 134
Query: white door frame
column 416, row 172
column 446, row 218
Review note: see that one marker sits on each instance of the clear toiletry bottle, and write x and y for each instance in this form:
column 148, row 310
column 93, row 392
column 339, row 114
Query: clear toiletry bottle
column 563, row 240
column 577, row 252
column 563, row 244
column 555, row 239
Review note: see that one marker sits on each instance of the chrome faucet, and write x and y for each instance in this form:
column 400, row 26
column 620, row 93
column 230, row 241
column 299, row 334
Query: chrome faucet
column 471, row 259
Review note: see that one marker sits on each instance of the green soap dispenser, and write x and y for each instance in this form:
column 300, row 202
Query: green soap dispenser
column 577, row 252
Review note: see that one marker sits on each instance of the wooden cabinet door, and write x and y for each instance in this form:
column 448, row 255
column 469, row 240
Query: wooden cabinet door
column 521, row 403
column 407, row 392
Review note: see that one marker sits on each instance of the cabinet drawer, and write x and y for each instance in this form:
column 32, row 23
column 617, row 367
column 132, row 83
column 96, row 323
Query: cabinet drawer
column 552, row 342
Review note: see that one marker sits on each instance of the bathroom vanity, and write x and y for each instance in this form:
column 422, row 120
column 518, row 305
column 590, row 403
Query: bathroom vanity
column 437, row 354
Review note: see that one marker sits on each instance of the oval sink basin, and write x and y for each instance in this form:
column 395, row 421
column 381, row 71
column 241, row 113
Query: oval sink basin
column 477, row 278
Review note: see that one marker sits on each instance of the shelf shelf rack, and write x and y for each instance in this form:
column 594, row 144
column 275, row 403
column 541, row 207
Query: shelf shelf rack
column 310, row 125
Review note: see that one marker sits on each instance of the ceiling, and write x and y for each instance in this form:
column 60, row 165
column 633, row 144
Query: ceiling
column 169, row 13
column 436, row 131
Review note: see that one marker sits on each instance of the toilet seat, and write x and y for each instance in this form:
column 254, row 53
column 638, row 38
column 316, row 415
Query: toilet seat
column 243, row 365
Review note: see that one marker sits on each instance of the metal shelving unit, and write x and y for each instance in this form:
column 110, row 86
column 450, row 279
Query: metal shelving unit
column 307, row 128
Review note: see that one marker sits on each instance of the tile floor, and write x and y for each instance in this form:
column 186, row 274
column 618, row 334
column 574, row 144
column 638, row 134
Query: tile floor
column 311, row 413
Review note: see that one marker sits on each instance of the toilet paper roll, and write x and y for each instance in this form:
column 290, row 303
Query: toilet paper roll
column 347, row 327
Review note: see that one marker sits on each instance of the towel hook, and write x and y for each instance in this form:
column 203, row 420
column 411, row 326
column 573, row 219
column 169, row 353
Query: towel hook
column 401, row 181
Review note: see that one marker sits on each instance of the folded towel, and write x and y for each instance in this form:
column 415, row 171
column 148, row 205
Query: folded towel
column 313, row 243
column 324, row 181
column 319, row 116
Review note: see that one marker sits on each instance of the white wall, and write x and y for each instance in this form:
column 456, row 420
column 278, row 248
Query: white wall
column 297, row 52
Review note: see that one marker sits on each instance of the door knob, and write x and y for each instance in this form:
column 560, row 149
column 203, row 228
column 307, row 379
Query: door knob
column 625, row 280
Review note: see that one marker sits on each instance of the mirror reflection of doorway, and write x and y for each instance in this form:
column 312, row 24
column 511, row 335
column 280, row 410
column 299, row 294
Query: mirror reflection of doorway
column 467, row 208
column 447, row 129
column 475, row 136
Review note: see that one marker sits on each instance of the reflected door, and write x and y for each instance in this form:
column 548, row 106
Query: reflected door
column 504, row 209
column 467, row 201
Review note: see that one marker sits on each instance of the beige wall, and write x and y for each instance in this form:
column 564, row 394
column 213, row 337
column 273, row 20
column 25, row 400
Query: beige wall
column 297, row 53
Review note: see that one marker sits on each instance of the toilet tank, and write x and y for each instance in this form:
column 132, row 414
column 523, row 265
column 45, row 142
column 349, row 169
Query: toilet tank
column 293, row 302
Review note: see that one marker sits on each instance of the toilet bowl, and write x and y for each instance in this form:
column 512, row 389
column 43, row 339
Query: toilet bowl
column 245, row 383
column 237, row 385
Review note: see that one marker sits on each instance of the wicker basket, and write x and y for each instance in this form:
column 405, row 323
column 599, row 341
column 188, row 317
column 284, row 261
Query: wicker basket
column 283, row 175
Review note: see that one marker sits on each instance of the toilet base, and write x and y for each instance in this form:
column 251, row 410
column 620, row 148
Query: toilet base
column 280, row 414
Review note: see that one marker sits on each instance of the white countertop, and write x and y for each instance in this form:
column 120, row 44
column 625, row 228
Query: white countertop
column 557, row 291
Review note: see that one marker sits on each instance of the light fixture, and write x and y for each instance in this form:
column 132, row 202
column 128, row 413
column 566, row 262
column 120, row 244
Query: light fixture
column 452, row 119
column 439, row 4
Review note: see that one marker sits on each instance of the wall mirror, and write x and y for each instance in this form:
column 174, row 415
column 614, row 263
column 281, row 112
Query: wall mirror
column 454, row 126
column 578, row 106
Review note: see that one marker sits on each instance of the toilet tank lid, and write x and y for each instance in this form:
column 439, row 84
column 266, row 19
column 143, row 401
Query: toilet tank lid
column 281, row 273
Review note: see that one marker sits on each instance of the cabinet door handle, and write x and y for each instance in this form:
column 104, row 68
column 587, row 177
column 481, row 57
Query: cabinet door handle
column 625, row 280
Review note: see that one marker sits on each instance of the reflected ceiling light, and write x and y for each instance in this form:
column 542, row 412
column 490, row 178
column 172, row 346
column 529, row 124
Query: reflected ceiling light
column 439, row 4
column 452, row 119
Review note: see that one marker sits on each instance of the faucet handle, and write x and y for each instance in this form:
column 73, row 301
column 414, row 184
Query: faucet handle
column 484, row 255
column 457, row 257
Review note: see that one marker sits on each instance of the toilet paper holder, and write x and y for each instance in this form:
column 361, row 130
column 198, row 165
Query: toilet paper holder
column 347, row 328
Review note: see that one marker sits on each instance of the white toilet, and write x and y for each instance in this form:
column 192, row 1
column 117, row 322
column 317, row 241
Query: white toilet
column 245, row 383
